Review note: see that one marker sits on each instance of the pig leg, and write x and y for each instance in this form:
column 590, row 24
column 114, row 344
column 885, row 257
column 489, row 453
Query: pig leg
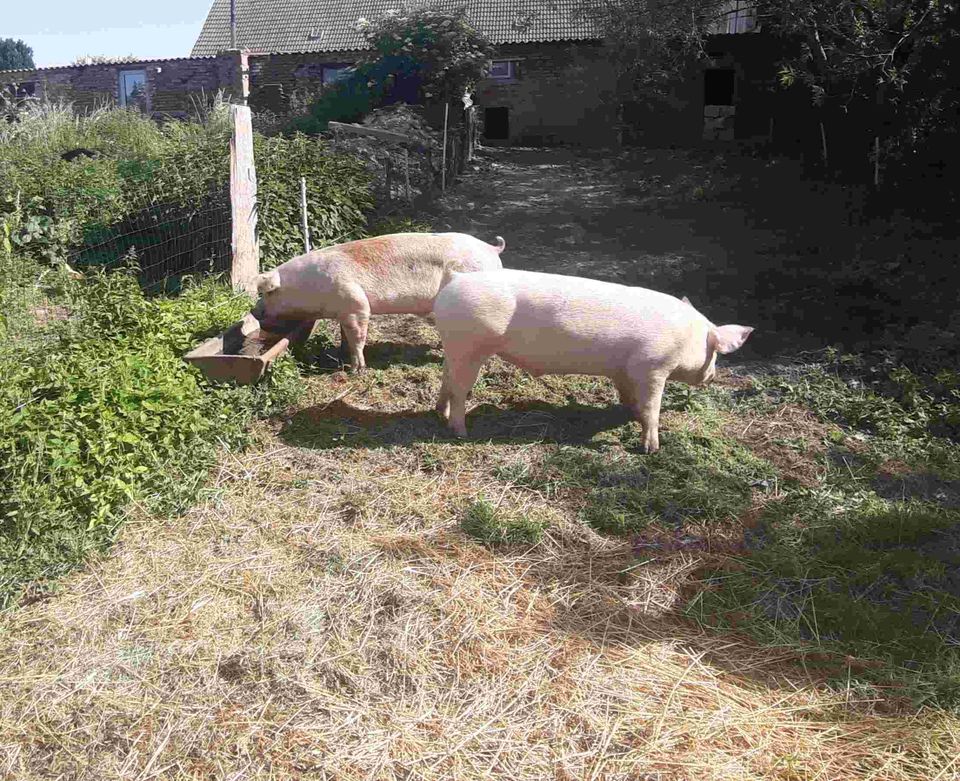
column 344, row 352
column 459, row 374
column 354, row 329
column 644, row 397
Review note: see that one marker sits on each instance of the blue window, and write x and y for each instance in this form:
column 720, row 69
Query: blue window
column 132, row 86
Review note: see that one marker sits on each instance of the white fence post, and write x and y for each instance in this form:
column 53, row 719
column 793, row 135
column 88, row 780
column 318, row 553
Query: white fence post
column 443, row 169
column 303, row 214
column 243, row 202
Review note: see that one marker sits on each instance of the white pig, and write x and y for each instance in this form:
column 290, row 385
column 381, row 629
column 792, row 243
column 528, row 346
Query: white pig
column 552, row 324
column 400, row 273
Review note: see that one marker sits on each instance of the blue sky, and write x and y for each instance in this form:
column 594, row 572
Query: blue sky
column 60, row 31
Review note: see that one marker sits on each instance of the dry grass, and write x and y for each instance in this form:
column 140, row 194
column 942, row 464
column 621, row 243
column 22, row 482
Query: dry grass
column 321, row 615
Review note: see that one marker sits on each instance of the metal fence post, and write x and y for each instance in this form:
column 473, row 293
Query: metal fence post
column 303, row 214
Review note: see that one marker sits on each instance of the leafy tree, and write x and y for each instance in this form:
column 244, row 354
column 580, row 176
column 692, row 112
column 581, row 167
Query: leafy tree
column 414, row 56
column 894, row 63
column 15, row 55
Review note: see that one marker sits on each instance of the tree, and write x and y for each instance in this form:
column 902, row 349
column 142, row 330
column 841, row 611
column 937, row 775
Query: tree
column 15, row 55
column 882, row 63
column 413, row 56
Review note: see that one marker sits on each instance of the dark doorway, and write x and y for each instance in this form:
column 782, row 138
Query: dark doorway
column 718, row 87
column 496, row 124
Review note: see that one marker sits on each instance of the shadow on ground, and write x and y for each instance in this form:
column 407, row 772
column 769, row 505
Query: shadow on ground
column 341, row 424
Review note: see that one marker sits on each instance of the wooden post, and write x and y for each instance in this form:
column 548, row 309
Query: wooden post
column 823, row 139
column 243, row 202
column 303, row 214
column 443, row 168
column 876, row 161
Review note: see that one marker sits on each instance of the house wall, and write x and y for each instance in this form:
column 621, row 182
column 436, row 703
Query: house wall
column 172, row 87
column 563, row 93
column 285, row 82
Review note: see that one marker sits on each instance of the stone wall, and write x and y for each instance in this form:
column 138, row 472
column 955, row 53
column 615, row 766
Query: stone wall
column 561, row 93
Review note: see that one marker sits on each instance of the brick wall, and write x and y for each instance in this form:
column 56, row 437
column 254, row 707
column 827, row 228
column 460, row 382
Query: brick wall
column 561, row 93
column 171, row 88
column 285, row 82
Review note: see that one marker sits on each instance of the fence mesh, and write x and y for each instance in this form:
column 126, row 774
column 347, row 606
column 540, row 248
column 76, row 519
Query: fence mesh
column 165, row 237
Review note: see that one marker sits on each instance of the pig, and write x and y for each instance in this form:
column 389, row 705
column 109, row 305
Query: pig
column 553, row 324
column 399, row 273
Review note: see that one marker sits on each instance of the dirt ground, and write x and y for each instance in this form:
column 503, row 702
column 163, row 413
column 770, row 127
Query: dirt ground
column 748, row 240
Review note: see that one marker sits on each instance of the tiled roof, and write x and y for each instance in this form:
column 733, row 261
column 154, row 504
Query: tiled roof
column 330, row 25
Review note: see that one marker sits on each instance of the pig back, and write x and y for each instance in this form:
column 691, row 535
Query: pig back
column 548, row 323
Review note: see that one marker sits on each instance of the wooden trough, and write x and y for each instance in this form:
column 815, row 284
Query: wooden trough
column 243, row 352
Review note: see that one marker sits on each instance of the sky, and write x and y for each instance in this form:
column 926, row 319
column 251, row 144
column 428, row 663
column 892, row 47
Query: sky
column 60, row 31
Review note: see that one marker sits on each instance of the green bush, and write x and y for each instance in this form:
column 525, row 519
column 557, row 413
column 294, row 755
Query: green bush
column 54, row 207
column 338, row 195
column 107, row 413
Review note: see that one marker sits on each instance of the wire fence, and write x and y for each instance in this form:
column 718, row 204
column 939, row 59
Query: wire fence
column 164, row 237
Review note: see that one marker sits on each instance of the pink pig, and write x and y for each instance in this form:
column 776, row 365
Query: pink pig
column 552, row 324
column 400, row 273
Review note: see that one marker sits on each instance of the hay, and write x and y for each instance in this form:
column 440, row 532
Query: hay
column 321, row 615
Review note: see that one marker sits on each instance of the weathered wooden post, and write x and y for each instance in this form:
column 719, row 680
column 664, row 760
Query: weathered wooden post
column 243, row 202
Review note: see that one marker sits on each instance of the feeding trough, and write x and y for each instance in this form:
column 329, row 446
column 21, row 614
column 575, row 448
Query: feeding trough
column 243, row 352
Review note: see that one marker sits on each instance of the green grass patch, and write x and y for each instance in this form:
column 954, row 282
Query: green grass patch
column 910, row 415
column 695, row 477
column 492, row 525
column 853, row 573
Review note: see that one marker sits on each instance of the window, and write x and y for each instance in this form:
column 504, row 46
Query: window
column 502, row 70
column 330, row 74
column 496, row 124
column 132, row 86
column 741, row 18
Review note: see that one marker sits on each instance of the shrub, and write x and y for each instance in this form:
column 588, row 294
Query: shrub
column 147, row 173
column 338, row 195
column 107, row 413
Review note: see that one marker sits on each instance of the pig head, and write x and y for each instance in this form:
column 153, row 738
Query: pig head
column 552, row 324
column 400, row 273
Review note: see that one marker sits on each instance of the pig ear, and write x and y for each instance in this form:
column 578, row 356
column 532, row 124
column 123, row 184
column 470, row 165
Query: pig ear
column 267, row 283
column 686, row 301
column 728, row 338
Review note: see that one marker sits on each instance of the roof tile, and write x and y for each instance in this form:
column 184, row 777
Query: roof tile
column 330, row 25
